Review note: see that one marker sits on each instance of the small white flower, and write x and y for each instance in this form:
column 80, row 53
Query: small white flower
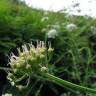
column 71, row 27
column 52, row 33
column 8, row 76
column 7, row 94
column 20, row 87
column 12, row 83
column 44, row 19
column 43, row 69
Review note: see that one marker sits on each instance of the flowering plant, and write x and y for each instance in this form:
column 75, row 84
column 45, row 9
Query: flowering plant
column 34, row 60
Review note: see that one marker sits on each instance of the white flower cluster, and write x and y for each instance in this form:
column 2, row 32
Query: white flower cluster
column 6, row 94
column 31, row 59
column 52, row 33
column 71, row 27
column 44, row 19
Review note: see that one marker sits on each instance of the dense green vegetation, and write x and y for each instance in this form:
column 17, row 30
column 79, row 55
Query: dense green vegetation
column 74, row 51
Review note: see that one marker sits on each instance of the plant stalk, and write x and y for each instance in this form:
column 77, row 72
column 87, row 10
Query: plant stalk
column 65, row 83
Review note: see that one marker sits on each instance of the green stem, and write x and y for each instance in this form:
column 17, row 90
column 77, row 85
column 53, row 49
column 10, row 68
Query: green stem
column 65, row 83
column 6, row 69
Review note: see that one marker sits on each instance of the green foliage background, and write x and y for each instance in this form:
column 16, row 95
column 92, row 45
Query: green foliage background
column 21, row 24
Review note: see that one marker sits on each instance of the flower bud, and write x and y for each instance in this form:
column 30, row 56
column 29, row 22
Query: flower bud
column 9, row 76
column 50, row 49
column 15, row 70
column 42, row 50
column 44, row 69
column 28, row 66
column 12, row 83
column 42, row 56
column 20, row 87
column 33, row 59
